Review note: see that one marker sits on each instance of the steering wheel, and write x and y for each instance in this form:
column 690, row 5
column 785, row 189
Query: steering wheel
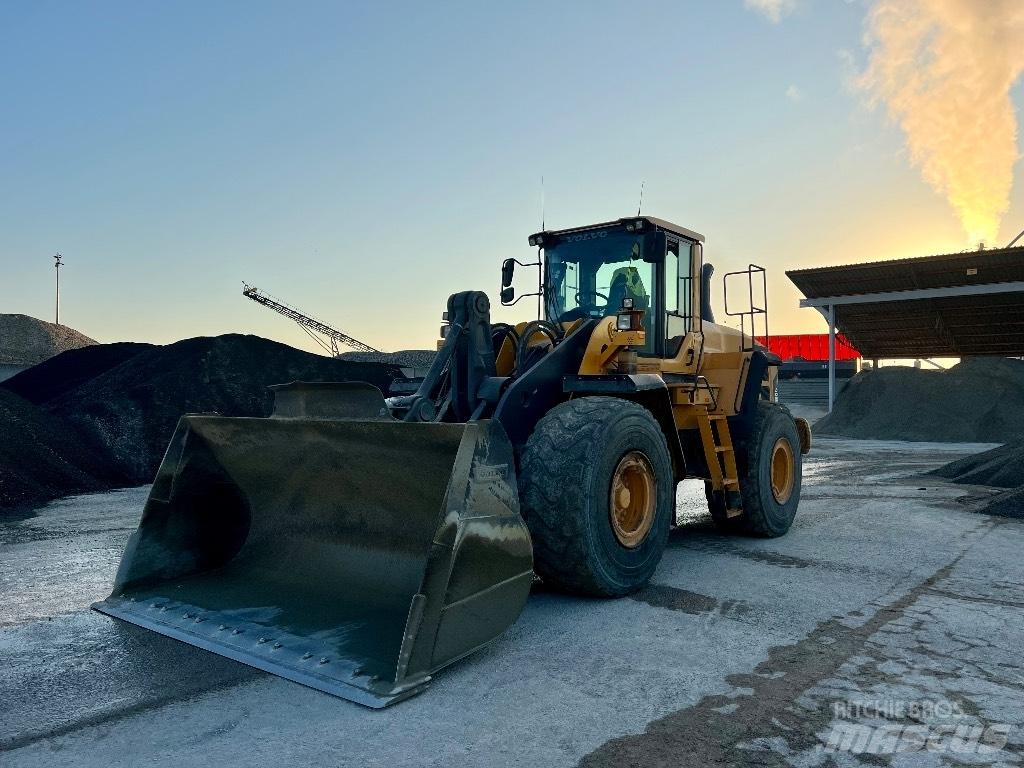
column 590, row 294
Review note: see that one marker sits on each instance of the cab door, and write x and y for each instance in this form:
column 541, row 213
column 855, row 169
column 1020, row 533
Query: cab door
column 682, row 336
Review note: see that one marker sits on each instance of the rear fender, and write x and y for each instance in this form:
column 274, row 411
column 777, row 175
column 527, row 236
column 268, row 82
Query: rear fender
column 747, row 398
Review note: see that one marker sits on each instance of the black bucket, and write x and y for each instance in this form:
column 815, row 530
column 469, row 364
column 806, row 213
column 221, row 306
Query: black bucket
column 331, row 544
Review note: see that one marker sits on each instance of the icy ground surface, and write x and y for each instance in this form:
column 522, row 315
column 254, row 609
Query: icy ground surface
column 887, row 590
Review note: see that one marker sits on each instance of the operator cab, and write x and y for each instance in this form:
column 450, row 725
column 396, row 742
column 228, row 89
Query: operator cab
column 586, row 272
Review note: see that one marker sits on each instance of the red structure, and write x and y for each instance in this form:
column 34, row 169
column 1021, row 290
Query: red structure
column 808, row 346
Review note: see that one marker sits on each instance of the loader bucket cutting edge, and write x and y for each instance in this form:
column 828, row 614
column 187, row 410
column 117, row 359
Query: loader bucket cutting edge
column 333, row 546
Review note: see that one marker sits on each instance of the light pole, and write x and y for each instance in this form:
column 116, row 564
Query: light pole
column 57, row 264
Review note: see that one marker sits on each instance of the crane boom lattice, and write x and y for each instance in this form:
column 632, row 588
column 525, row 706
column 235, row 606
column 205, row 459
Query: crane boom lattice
column 327, row 337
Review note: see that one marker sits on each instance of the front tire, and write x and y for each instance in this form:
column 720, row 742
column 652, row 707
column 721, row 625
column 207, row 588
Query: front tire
column 598, row 494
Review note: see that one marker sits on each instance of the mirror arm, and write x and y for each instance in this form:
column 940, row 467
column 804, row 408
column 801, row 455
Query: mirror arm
column 523, row 296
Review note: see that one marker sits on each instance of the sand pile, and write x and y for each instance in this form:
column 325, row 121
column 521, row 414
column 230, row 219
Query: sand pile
column 979, row 400
column 25, row 340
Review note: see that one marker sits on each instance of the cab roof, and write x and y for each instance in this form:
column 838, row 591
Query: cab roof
column 649, row 222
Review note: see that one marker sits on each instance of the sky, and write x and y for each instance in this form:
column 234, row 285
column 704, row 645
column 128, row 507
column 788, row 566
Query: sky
column 364, row 160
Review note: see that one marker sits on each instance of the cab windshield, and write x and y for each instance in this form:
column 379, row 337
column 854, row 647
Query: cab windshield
column 590, row 273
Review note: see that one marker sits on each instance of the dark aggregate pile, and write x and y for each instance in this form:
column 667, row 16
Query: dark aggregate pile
column 43, row 457
column 1007, row 504
column 132, row 409
column 979, row 400
column 406, row 358
column 1002, row 467
column 113, row 426
column 68, row 370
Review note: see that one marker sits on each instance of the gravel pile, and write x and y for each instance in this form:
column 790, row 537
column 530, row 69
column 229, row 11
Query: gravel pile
column 68, row 370
column 979, row 400
column 406, row 358
column 106, row 414
column 1007, row 504
column 42, row 456
column 1002, row 467
column 130, row 411
column 25, row 340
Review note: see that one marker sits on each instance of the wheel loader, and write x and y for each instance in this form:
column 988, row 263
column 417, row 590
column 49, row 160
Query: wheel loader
column 357, row 544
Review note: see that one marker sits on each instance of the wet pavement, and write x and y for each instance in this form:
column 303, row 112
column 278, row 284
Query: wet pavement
column 889, row 606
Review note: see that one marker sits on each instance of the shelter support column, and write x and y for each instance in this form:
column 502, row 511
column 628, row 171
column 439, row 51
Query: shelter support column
column 830, row 316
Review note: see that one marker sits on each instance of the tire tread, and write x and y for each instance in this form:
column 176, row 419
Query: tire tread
column 552, row 467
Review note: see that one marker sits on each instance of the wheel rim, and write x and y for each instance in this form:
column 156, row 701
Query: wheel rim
column 632, row 499
column 783, row 470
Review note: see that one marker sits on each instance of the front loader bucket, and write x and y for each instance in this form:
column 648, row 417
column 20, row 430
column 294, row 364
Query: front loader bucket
column 331, row 544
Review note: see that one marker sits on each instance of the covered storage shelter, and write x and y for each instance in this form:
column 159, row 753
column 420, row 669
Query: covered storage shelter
column 952, row 305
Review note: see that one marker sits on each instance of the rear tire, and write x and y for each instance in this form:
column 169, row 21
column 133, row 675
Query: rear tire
column 570, row 502
column 770, row 468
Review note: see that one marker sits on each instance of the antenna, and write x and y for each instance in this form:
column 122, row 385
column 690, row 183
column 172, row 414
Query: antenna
column 57, row 264
column 541, row 203
column 641, row 205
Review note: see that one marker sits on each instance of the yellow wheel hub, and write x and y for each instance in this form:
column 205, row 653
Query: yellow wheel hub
column 783, row 470
column 633, row 499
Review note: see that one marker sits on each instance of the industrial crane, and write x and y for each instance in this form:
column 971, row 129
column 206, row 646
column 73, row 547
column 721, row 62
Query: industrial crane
column 327, row 337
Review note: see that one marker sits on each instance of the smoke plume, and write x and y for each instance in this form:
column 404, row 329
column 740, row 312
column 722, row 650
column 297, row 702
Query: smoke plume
column 944, row 70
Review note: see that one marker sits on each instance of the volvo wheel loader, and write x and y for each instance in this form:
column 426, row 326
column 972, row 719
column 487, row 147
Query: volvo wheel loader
column 358, row 544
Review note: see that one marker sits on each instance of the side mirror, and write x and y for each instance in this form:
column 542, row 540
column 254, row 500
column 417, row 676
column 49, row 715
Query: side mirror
column 507, row 294
column 655, row 247
column 508, row 268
